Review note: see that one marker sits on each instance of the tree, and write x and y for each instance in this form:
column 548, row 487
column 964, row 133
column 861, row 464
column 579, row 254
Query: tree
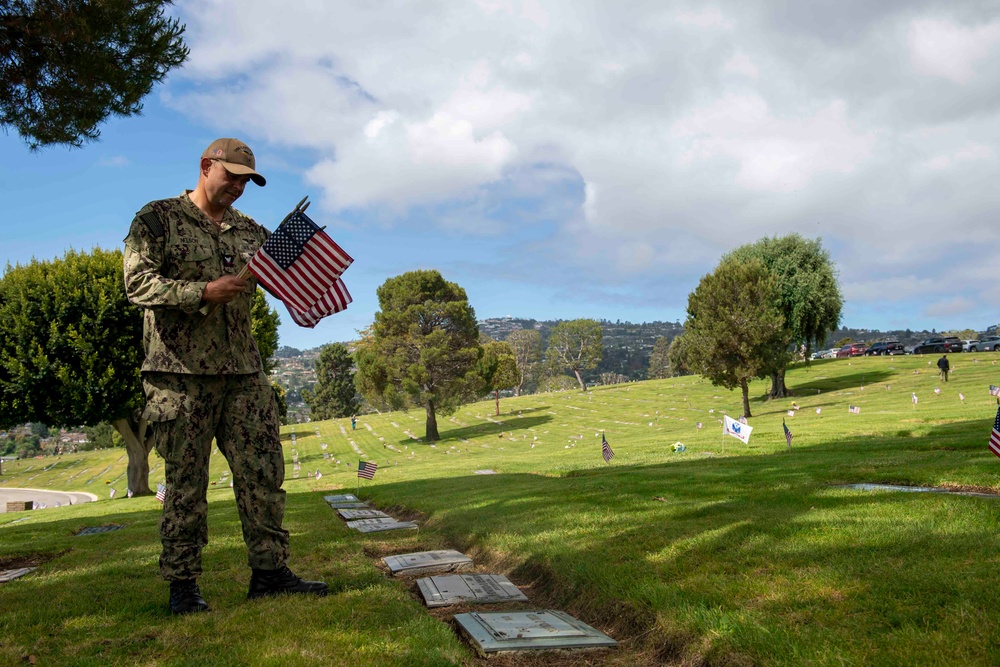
column 576, row 346
column 659, row 360
column 527, row 347
column 71, row 350
column 808, row 294
column 264, row 323
column 422, row 348
column 677, row 354
column 734, row 326
column 498, row 368
column 334, row 394
column 66, row 65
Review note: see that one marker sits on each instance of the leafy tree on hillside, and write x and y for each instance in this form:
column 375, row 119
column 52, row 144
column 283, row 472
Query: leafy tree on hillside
column 808, row 295
column 677, row 354
column 734, row 327
column 498, row 368
column 69, row 64
column 526, row 345
column 334, row 394
column 422, row 348
column 575, row 346
column 659, row 360
column 71, row 349
column 264, row 323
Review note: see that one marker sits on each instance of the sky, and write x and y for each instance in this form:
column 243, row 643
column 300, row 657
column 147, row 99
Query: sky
column 573, row 159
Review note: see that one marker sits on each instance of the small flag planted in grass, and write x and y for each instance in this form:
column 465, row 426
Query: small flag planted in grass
column 698, row 424
column 366, row 469
column 743, row 419
column 738, row 430
column 913, row 398
column 161, row 492
column 788, row 434
column 113, row 492
column 961, row 397
column 887, row 387
column 995, row 435
column 819, row 410
column 791, row 413
column 318, row 474
column 854, row 409
column 606, row 449
column 994, row 390
column 937, row 390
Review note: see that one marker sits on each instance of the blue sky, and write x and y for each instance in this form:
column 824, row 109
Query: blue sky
column 574, row 159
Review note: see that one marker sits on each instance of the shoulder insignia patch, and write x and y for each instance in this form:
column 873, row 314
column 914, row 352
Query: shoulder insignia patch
column 150, row 218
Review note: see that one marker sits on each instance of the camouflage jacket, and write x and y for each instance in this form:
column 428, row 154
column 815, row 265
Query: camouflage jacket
column 171, row 252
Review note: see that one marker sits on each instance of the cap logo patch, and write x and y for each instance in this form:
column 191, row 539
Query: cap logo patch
column 244, row 149
column 217, row 152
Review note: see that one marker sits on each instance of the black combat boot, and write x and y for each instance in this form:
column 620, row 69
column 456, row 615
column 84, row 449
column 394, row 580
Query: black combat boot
column 185, row 597
column 282, row 580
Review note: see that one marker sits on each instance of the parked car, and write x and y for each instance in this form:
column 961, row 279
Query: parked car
column 938, row 344
column 886, row 347
column 852, row 350
column 985, row 344
column 967, row 345
column 831, row 353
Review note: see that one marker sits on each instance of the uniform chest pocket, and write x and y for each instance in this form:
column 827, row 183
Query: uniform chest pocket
column 194, row 261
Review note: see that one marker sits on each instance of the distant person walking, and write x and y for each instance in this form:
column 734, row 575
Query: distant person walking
column 944, row 366
column 354, row 422
column 203, row 375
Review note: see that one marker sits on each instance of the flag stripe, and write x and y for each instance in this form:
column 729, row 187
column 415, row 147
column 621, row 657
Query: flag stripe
column 995, row 435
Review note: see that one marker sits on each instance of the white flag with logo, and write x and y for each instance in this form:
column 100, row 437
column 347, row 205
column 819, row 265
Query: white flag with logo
column 739, row 431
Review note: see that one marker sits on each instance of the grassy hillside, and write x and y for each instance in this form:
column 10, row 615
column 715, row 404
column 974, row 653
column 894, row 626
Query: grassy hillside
column 722, row 554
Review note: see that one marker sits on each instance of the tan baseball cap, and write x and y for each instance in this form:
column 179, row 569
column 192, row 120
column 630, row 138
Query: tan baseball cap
column 236, row 157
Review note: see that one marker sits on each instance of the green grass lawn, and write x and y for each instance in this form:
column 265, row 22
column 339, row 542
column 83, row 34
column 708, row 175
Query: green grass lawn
column 725, row 553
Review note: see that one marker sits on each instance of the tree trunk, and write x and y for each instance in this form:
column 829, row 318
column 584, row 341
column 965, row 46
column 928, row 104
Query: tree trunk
column 579, row 379
column 432, row 424
column 497, row 392
column 746, row 398
column 137, row 445
column 778, row 388
column 517, row 390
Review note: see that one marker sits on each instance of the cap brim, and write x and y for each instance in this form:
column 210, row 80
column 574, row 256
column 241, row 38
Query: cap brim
column 243, row 170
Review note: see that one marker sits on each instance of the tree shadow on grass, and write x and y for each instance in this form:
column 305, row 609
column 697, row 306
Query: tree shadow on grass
column 840, row 382
column 299, row 432
column 511, row 423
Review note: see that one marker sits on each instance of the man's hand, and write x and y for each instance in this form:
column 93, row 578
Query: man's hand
column 224, row 289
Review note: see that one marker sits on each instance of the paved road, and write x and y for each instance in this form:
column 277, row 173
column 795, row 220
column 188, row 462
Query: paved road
column 50, row 498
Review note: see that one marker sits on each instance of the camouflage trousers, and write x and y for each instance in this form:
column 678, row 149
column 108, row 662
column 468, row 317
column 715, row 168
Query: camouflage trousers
column 185, row 413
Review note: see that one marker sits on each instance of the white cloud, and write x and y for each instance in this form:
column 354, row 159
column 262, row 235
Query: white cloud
column 113, row 161
column 958, row 305
column 943, row 49
column 742, row 64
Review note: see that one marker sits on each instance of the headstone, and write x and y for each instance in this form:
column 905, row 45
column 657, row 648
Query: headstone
column 495, row 632
column 468, row 588
column 347, row 506
column 20, row 505
column 352, row 514
column 10, row 575
column 379, row 525
column 96, row 530
column 426, row 562
column 343, row 498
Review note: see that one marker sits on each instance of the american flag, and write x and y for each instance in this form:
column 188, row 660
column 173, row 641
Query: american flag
column 995, row 435
column 854, row 409
column 606, row 449
column 366, row 469
column 937, row 390
column 161, row 492
column 994, row 390
column 301, row 265
column 788, row 434
column 961, row 396
column 913, row 397
column 698, row 424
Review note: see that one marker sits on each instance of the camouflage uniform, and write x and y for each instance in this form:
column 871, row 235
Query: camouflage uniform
column 204, row 380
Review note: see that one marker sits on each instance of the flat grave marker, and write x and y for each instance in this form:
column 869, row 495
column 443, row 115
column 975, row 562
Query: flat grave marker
column 352, row 514
column 342, row 498
column 348, row 506
column 11, row 575
column 379, row 525
column 97, row 530
column 426, row 562
column 446, row 590
column 495, row 632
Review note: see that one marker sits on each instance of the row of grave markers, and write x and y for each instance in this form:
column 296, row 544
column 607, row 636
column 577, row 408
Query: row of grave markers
column 487, row 632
